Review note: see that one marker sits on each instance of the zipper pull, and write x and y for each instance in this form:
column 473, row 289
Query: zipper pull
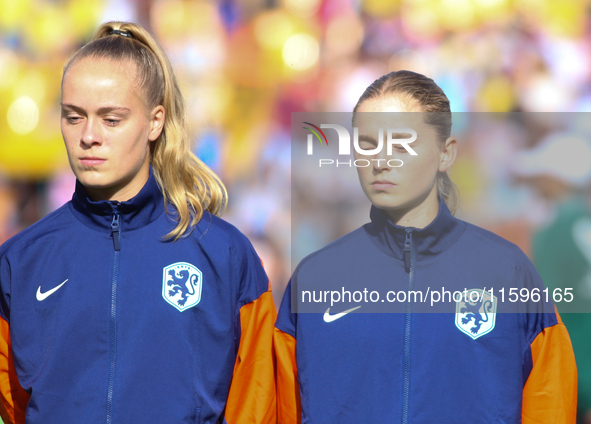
column 406, row 251
column 116, row 230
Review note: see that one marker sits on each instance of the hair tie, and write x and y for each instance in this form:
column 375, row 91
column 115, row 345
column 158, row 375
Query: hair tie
column 121, row 32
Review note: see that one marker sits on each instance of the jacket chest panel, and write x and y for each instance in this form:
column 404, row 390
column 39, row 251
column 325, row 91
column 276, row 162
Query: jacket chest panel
column 75, row 294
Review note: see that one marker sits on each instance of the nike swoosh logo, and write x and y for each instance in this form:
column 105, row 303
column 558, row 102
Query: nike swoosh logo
column 330, row 318
column 43, row 296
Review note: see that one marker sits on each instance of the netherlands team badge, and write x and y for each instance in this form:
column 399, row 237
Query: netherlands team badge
column 476, row 313
column 181, row 285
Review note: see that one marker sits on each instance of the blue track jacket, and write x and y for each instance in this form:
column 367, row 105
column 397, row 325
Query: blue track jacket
column 460, row 365
column 104, row 321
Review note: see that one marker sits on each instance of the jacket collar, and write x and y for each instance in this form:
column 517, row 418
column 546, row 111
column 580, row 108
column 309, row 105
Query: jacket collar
column 435, row 238
column 135, row 213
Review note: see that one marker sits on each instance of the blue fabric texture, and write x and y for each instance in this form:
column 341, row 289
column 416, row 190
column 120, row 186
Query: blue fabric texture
column 145, row 333
column 413, row 365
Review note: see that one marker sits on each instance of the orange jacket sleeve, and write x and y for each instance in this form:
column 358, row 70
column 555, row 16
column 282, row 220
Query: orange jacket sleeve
column 550, row 393
column 251, row 399
column 13, row 398
column 288, row 392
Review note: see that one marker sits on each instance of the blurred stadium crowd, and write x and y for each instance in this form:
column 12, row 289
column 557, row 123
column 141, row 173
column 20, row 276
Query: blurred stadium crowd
column 245, row 65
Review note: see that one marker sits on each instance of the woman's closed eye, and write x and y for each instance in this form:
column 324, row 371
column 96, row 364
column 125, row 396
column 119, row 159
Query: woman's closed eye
column 112, row 122
column 73, row 119
column 400, row 148
column 367, row 145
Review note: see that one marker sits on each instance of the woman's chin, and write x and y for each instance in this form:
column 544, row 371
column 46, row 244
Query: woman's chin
column 92, row 182
column 386, row 201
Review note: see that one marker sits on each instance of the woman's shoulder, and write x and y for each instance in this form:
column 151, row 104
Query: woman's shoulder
column 483, row 240
column 338, row 250
column 213, row 229
column 55, row 223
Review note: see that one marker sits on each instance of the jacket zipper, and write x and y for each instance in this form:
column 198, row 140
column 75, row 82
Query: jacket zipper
column 409, row 262
column 116, row 235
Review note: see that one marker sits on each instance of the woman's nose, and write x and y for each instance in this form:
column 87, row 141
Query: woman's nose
column 91, row 134
column 380, row 160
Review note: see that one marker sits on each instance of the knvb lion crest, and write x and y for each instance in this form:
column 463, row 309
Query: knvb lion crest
column 476, row 313
column 181, row 285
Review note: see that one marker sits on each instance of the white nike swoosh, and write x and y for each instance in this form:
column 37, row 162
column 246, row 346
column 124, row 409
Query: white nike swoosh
column 43, row 296
column 330, row 318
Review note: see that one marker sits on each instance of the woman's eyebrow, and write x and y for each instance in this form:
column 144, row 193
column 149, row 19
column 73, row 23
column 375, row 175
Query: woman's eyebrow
column 395, row 136
column 401, row 136
column 107, row 109
column 101, row 110
column 73, row 107
column 366, row 138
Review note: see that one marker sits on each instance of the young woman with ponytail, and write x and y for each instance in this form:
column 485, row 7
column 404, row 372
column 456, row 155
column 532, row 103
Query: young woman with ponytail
column 461, row 361
column 134, row 302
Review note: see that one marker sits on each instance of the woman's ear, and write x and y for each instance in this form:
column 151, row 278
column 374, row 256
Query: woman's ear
column 156, row 122
column 448, row 154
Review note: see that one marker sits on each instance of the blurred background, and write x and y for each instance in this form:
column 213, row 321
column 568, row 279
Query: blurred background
column 245, row 65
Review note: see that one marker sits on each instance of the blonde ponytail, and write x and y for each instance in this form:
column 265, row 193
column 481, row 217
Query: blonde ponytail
column 186, row 182
column 448, row 191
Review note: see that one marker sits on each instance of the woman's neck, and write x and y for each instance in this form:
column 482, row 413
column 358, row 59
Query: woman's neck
column 418, row 215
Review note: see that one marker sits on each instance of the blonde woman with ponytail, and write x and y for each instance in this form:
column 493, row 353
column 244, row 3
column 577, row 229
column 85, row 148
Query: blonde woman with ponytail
column 134, row 302
column 426, row 357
